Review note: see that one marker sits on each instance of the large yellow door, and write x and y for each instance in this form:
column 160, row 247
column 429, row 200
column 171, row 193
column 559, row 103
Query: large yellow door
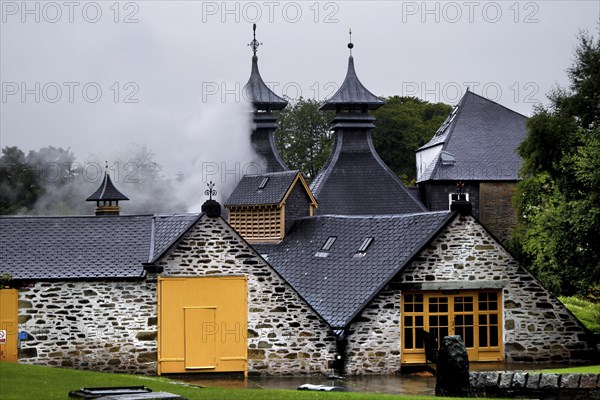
column 473, row 315
column 202, row 324
column 9, row 317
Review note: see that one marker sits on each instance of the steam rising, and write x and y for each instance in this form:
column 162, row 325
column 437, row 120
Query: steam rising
column 169, row 175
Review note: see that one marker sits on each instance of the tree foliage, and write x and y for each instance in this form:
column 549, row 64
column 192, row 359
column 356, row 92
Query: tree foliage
column 403, row 125
column 304, row 138
column 558, row 233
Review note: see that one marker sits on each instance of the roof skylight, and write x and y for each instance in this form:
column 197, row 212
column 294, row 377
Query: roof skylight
column 263, row 183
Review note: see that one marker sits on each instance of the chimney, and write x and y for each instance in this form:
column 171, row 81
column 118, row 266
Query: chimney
column 211, row 207
column 460, row 202
column 107, row 197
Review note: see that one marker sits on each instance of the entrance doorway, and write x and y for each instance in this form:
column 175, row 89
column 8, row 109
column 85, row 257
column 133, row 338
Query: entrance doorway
column 476, row 316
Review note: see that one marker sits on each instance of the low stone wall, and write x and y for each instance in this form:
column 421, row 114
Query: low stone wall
column 535, row 385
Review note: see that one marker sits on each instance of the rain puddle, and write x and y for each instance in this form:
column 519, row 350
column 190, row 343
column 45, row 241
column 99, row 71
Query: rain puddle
column 421, row 383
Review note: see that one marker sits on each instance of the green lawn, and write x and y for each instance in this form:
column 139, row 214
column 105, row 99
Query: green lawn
column 590, row 369
column 20, row 381
column 586, row 311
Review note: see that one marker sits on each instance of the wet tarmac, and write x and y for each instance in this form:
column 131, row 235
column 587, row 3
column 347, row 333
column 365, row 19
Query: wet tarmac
column 420, row 383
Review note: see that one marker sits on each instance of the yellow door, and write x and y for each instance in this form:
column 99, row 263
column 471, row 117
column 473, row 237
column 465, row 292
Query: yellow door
column 202, row 324
column 9, row 317
column 200, row 338
column 473, row 315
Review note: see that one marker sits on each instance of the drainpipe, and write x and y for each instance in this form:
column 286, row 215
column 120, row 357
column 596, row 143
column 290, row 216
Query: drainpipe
column 341, row 343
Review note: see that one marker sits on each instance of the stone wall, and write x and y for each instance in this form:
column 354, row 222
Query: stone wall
column 99, row 325
column 535, row 385
column 496, row 211
column 284, row 335
column 374, row 337
column 537, row 327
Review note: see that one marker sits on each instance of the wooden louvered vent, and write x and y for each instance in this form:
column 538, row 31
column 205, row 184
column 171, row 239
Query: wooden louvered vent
column 260, row 223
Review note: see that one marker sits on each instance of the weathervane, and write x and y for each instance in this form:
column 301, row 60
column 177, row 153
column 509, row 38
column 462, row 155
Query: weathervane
column 254, row 43
column 210, row 192
column 350, row 44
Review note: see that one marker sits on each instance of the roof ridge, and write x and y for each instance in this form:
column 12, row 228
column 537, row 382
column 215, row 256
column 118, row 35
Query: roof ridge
column 498, row 104
column 376, row 216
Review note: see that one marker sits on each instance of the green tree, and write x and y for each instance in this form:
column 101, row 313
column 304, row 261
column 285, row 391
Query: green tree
column 403, row 125
column 19, row 183
column 304, row 138
column 558, row 233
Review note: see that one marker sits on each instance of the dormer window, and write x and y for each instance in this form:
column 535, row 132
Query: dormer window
column 328, row 243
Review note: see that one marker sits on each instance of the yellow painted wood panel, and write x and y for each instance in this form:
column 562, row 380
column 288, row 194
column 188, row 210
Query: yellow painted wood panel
column 9, row 318
column 200, row 338
column 203, row 324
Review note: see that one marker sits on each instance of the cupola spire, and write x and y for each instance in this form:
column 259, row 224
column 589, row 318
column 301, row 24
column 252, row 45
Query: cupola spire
column 264, row 101
column 107, row 196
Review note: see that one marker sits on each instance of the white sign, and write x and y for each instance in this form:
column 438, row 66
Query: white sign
column 2, row 337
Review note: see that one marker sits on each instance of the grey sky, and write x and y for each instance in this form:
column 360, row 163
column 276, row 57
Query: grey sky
column 166, row 68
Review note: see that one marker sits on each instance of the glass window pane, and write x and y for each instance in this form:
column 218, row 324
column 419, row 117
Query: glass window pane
column 483, row 341
column 494, row 319
column 493, row 336
column 408, row 307
column 419, row 307
column 420, row 339
column 468, row 338
column 408, row 321
column 408, row 338
column 419, row 320
column 483, row 319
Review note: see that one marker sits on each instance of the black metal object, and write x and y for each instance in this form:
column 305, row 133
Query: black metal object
column 94, row 393
column 431, row 346
column 122, row 393
column 321, row 388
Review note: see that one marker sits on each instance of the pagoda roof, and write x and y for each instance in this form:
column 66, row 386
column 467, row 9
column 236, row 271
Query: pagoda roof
column 352, row 93
column 107, row 191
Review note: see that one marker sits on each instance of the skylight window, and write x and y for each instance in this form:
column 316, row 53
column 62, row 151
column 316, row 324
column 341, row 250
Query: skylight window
column 263, row 183
column 365, row 245
column 328, row 243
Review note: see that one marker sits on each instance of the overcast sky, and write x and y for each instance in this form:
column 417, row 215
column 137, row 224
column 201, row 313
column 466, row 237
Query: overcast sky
column 100, row 76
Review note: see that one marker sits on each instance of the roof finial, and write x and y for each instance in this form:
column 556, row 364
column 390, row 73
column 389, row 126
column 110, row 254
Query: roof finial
column 350, row 44
column 210, row 192
column 254, row 43
column 106, row 167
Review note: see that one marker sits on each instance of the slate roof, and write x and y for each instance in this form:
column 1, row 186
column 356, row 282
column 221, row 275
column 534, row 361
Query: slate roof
column 259, row 93
column 337, row 283
column 483, row 137
column 355, row 181
column 352, row 93
column 248, row 193
column 107, row 191
column 263, row 143
column 87, row 247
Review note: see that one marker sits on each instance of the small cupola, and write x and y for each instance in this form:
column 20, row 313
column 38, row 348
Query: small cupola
column 107, row 197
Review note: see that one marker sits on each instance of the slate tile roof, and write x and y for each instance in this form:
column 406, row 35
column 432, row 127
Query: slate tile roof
column 355, row 181
column 340, row 282
column 352, row 93
column 483, row 137
column 248, row 192
column 87, row 247
column 259, row 93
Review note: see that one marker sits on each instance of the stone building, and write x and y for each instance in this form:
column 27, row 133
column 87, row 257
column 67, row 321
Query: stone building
column 153, row 294
column 350, row 273
column 383, row 272
column 476, row 145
